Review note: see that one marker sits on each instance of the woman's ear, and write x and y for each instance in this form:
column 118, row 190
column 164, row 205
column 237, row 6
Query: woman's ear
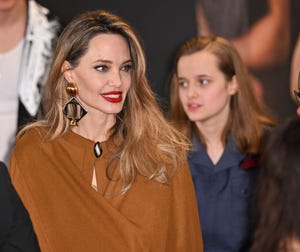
column 233, row 86
column 66, row 70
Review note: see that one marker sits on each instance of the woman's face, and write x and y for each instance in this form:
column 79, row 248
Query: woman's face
column 103, row 75
column 204, row 91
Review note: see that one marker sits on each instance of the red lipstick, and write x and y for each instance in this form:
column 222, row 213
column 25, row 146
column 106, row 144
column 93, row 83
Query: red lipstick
column 112, row 96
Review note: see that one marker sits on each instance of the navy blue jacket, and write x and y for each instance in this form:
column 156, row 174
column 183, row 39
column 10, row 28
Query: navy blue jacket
column 224, row 194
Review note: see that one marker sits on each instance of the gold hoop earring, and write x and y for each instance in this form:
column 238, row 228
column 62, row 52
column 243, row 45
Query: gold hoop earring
column 73, row 109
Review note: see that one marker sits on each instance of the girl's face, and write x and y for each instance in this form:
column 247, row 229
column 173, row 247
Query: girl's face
column 103, row 75
column 204, row 91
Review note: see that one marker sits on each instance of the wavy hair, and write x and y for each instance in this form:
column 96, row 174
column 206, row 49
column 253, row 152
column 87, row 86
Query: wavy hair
column 247, row 119
column 149, row 145
column 279, row 191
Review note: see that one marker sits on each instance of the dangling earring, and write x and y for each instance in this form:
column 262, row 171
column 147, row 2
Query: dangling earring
column 73, row 109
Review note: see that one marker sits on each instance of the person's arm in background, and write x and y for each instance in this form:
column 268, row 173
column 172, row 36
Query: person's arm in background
column 295, row 69
column 268, row 40
column 16, row 231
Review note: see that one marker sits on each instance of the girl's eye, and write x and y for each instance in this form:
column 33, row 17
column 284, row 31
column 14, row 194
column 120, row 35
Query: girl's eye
column 101, row 68
column 126, row 68
column 203, row 82
column 182, row 84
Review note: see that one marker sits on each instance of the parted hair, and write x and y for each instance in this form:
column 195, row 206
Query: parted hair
column 247, row 119
column 279, row 190
column 149, row 145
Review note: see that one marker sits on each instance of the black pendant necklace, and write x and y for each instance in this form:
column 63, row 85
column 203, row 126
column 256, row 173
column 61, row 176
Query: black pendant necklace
column 97, row 150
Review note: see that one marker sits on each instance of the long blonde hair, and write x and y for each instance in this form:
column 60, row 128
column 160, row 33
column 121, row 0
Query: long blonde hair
column 149, row 145
column 247, row 119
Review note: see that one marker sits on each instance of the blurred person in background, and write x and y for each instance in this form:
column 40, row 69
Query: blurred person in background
column 28, row 33
column 278, row 228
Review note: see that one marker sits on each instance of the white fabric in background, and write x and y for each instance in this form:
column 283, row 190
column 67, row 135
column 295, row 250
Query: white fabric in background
column 37, row 55
column 9, row 68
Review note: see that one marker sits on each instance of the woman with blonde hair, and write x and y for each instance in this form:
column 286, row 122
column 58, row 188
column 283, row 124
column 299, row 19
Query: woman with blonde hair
column 104, row 171
column 213, row 103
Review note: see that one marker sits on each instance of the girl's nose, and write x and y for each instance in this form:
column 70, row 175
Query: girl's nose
column 191, row 91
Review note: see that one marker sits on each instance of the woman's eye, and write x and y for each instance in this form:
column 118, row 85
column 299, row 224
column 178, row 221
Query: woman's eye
column 101, row 68
column 126, row 68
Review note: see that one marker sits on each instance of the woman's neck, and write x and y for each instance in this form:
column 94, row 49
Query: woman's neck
column 96, row 129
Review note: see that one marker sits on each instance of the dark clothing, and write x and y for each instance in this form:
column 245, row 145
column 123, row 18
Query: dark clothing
column 224, row 194
column 23, row 116
column 16, row 232
column 228, row 26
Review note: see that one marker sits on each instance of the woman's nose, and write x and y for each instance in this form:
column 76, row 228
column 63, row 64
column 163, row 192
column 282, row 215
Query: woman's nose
column 115, row 79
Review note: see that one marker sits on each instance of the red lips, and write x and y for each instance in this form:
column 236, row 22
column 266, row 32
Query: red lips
column 112, row 96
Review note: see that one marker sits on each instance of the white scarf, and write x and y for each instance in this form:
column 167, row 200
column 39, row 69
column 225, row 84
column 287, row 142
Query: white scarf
column 40, row 37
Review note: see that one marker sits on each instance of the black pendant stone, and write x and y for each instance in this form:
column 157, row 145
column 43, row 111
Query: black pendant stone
column 97, row 150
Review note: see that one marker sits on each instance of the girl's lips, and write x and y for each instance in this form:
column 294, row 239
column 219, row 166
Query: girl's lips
column 193, row 106
column 112, row 96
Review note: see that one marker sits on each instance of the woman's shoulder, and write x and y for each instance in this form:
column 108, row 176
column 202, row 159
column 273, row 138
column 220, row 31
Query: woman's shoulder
column 28, row 148
column 181, row 174
column 30, row 138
